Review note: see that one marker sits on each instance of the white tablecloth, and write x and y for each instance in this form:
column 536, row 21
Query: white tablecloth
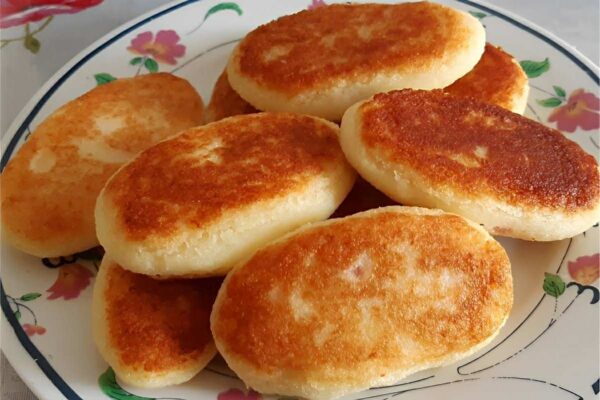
column 22, row 73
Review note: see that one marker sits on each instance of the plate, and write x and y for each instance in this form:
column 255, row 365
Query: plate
column 548, row 348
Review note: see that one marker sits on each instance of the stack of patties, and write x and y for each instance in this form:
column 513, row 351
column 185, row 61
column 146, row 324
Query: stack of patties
column 323, row 69
column 158, row 331
column 362, row 301
column 315, row 308
column 192, row 207
column 337, row 307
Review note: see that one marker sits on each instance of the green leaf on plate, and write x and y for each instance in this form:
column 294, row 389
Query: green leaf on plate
column 477, row 14
column 32, row 44
column 136, row 61
column 151, row 65
column 30, row 296
column 533, row 69
column 551, row 102
column 553, row 285
column 18, row 315
column 109, row 386
column 222, row 7
column 560, row 92
column 103, row 78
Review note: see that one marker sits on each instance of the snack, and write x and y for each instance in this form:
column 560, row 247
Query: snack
column 196, row 204
column 49, row 187
column 509, row 173
column 496, row 79
column 343, row 305
column 310, row 63
column 152, row 333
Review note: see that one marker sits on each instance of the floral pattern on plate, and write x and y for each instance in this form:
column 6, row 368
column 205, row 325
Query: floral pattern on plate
column 580, row 110
column 71, row 280
column 18, row 307
column 164, row 47
column 26, row 12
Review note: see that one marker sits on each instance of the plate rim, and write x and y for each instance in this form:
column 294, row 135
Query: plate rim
column 26, row 349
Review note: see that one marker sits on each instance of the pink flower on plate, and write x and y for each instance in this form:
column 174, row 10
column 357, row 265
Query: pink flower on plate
column 19, row 12
column 581, row 110
column 163, row 47
column 586, row 269
column 31, row 330
column 315, row 4
column 237, row 394
column 71, row 281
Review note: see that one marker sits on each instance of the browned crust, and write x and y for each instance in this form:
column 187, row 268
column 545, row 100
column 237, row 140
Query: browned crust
column 225, row 102
column 254, row 323
column 261, row 157
column 496, row 79
column 156, row 326
column 526, row 164
column 57, row 207
column 403, row 38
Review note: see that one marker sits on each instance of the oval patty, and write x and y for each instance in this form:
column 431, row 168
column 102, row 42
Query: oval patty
column 321, row 61
column 515, row 176
column 362, row 301
column 196, row 204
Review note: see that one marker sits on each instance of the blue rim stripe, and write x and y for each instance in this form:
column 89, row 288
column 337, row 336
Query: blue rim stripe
column 592, row 74
column 31, row 349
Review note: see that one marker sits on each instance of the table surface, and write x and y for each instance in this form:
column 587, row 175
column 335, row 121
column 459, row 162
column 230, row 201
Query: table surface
column 23, row 72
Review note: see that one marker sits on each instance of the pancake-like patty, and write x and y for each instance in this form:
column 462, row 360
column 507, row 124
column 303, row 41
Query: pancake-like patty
column 362, row 301
column 153, row 333
column 497, row 79
column 49, row 187
column 513, row 175
column 198, row 203
column 225, row 102
column 321, row 61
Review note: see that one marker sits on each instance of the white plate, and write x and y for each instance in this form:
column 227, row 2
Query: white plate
column 547, row 350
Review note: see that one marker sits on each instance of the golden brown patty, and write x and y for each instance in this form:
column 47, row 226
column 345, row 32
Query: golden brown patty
column 225, row 102
column 497, row 79
column 321, row 61
column 512, row 174
column 49, row 187
column 197, row 203
column 362, row 301
column 153, row 332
